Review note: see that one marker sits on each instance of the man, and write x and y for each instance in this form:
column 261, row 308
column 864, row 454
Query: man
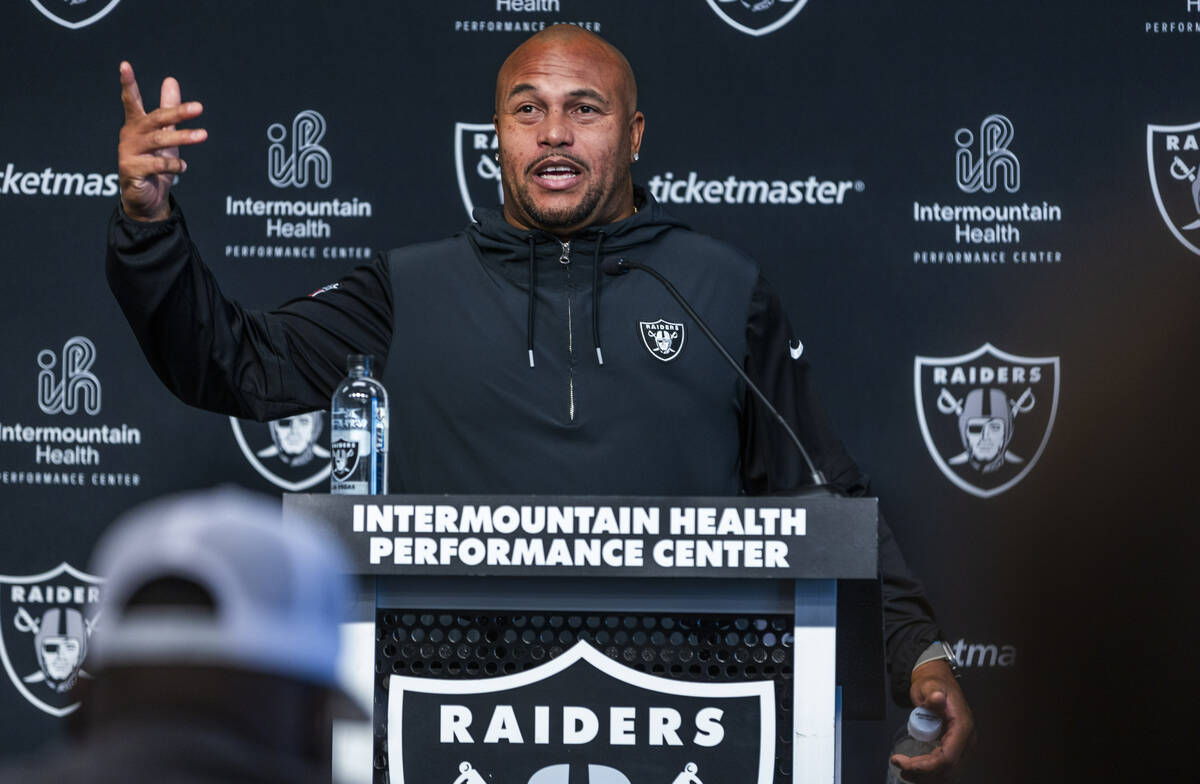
column 294, row 439
column 215, row 652
column 512, row 364
column 61, row 643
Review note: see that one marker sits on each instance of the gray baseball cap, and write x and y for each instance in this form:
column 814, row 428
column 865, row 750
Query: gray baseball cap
column 278, row 592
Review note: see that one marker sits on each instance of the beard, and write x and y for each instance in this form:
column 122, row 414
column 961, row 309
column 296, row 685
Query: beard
column 561, row 217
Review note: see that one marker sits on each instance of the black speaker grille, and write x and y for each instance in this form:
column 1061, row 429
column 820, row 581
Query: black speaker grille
column 479, row 644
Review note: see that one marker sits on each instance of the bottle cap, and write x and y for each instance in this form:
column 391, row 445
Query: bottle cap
column 924, row 725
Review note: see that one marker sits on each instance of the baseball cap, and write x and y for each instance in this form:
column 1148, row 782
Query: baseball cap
column 278, row 592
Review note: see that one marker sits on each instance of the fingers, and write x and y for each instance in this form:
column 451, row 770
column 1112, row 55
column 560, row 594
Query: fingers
column 131, row 97
column 144, row 166
column 925, row 763
column 170, row 95
column 163, row 139
column 171, row 115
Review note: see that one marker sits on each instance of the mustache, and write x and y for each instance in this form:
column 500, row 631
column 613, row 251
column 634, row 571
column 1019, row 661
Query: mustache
column 564, row 156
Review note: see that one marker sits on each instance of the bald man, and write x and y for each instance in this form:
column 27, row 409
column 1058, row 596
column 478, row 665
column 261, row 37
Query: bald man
column 512, row 364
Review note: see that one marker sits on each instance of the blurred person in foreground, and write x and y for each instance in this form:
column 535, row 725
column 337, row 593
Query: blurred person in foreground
column 215, row 651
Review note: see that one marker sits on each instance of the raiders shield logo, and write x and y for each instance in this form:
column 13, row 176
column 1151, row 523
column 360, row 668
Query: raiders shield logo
column 756, row 17
column 986, row 416
column 286, row 452
column 46, row 621
column 345, row 458
column 74, row 13
column 663, row 339
column 581, row 717
column 1173, row 156
column 475, row 163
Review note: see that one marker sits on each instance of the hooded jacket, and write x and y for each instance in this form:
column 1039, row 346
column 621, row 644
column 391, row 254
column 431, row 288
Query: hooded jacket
column 514, row 364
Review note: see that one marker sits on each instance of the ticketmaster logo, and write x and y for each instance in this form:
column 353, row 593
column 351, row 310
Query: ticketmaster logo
column 48, row 182
column 668, row 189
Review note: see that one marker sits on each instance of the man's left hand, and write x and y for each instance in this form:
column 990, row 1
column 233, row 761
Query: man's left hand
column 934, row 687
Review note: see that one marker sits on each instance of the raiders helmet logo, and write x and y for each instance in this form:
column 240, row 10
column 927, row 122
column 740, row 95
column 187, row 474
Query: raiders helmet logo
column 663, row 339
column 286, row 452
column 756, row 17
column 580, row 717
column 986, row 416
column 75, row 13
column 475, row 164
column 46, row 621
column 345, row 459
column 1173, row 156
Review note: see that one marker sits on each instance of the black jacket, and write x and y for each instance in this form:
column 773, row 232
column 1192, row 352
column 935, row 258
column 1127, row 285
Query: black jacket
column 513, row 364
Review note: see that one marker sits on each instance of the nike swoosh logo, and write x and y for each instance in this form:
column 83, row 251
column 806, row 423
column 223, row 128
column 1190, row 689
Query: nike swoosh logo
column 795, row 350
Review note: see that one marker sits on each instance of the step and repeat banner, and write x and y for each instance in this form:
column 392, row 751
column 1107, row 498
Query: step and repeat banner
column 983, row 219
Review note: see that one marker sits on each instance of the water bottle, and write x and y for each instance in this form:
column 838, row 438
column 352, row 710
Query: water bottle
column 358, row 433
column 924, row 729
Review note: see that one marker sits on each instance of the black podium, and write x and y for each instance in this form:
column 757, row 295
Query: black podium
column 609, row 640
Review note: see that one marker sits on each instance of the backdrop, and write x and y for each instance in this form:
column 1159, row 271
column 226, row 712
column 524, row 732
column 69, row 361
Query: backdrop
column 977, row 213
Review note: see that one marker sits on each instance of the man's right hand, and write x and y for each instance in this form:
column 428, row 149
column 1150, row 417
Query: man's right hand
column 148, row 152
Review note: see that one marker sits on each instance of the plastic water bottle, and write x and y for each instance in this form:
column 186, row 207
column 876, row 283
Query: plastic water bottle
column 358, row 433
column 924, row 729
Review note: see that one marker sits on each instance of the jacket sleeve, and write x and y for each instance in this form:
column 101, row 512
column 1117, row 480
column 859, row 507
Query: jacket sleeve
column 217, row 355
column 772, row 466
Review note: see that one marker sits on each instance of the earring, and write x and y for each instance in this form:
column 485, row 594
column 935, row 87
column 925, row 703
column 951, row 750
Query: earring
column 636, row 157
column 497, row 157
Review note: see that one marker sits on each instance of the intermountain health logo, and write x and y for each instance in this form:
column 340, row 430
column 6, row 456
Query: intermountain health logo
column 986, row 416
column 1173, row 158
column 1174, row 18
column 46, row 621
column 300, row 221
column 520, row 17
column 478, row 172
column 74, row 14
column 56, row 446
column 756, row 17
column 581, row 717
column 287, row 452
column 992, row 226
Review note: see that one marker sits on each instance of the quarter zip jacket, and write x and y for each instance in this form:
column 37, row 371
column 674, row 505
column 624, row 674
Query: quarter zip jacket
column 481, row 338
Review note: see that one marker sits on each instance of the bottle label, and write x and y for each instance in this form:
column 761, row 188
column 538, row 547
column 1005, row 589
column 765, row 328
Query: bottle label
column 345, row 459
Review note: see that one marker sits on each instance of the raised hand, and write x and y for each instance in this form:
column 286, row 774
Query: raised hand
column 148, row 152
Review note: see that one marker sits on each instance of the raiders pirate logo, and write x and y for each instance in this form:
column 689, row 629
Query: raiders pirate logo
column 286, row 452
column 46, row 621
column 986, row 416
column 475, row 146
column 581, row 717
column 756, row 17
column 663, row 339
column 1173, row 156
column 345, row 459
column 74, row 14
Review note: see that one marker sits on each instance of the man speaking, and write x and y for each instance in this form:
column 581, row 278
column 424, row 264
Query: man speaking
column 512, row 363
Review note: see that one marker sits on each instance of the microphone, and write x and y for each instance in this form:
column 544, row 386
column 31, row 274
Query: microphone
column 617, row 267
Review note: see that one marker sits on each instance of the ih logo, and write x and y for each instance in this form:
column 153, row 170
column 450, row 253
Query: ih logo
column 475, row 146
column 286, row 452
column 65, row 387
column 663, row 339
column 292, row 166
column 581, row 718
column 986, row 416
column 990, row 164
column 46, row 621
column 74, row 14
column 1173, row 155
column 756, row 17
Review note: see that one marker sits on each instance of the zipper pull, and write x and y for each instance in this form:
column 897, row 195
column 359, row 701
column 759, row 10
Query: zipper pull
column 565, row 257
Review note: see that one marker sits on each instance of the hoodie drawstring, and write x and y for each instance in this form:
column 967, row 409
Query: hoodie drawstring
column 596, row 299
column 532, row 295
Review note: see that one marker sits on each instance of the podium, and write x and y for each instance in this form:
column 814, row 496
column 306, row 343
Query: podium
column 601, row 639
